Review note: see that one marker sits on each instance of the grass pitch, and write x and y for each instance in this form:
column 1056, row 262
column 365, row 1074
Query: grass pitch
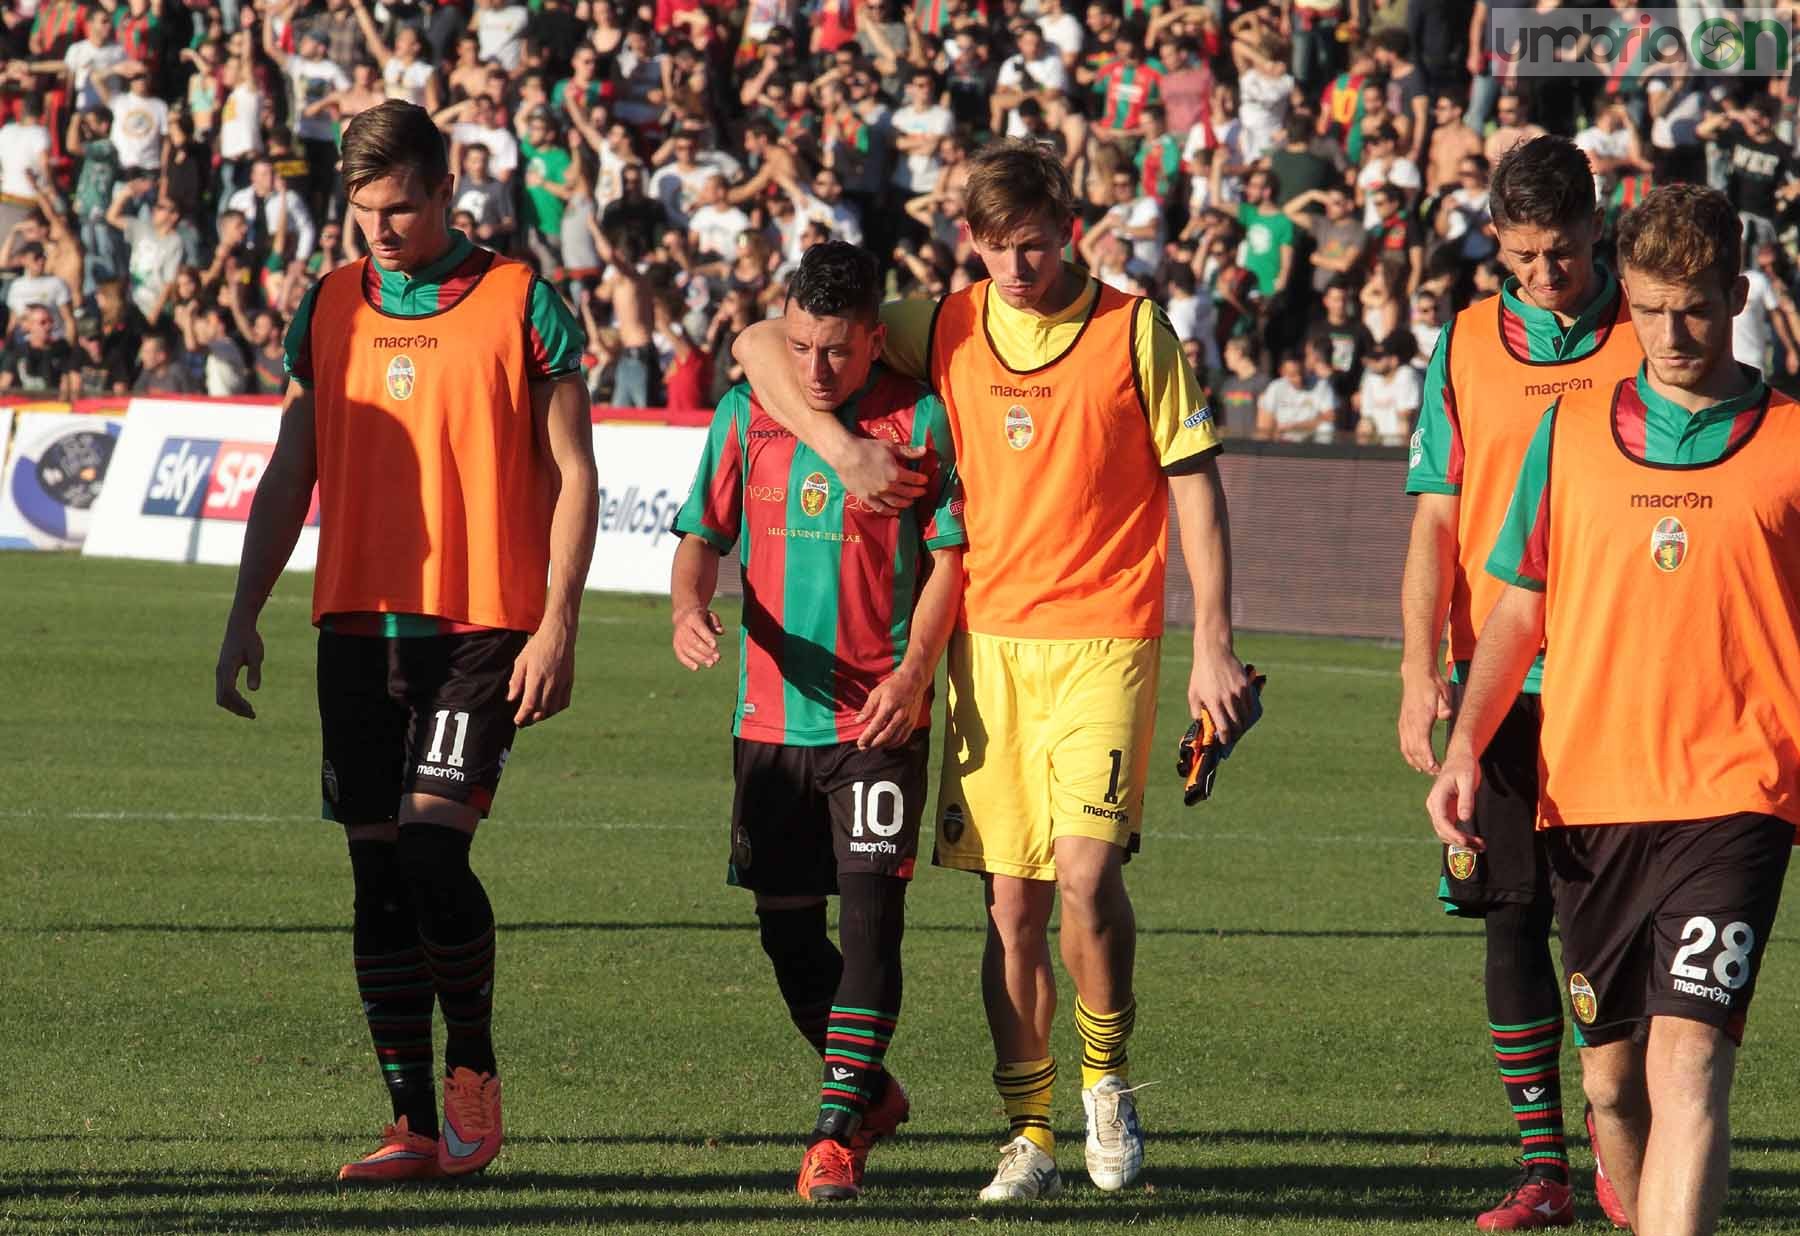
column 182, row 1050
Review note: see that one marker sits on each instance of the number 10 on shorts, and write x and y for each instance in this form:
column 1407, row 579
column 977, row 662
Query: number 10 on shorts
column 868, row 799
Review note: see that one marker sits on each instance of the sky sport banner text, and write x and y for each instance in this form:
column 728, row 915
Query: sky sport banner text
column 1701, row 41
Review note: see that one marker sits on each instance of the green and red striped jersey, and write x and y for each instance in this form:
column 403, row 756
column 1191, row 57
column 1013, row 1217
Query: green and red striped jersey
column 829, row 584
column 553, row 338
column 1158, row 163
column 1648, row 428
column 1127, row 89
column 1531, row 334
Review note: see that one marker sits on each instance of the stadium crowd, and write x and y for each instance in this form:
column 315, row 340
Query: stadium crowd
column 1301, row 184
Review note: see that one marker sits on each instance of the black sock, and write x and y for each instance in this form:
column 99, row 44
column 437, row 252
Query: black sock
column 807, row 964
column 456, row 929
column 1525, row 1017
column 396, row 989
column 866, row 1006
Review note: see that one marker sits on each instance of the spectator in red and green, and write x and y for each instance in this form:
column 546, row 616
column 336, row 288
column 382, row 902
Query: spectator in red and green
column 1127, row 85
column 133, row 22
column 1341, row 102
column 582, row 84
column 1158, row 157
column 1395, row 234
column 55, row 27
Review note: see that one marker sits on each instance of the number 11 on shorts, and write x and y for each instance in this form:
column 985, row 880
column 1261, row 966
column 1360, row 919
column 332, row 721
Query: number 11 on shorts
column 436, row 754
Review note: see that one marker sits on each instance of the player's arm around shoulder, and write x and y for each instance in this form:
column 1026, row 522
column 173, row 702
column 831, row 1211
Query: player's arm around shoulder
column 873, row 471
column 543, row 677
column 277, row 514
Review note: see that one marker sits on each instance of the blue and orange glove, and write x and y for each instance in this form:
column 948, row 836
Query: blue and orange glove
column 1197, row 758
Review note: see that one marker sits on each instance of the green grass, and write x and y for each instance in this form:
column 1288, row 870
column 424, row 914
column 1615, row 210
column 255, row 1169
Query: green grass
column 181, row 1049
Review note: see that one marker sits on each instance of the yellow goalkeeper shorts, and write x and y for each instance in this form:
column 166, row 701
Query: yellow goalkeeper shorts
column 1046, row 739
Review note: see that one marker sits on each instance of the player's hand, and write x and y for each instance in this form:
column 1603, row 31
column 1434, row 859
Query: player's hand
column 873, row 470
column 1451, row 803
column 1219, row 686
column 891, row 709
column 242, row 648
column 696, row 639
column 543, row 677
column 1424, row 701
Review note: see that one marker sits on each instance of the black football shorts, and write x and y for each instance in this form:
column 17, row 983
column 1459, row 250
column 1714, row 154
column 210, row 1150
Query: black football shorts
column 1513, row 868
column 1666, row 920
column 416, row 715
column 803, row 815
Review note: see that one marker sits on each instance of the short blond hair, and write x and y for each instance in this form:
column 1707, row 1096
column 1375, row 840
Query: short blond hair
column 1682, row 233
column 1010, row 182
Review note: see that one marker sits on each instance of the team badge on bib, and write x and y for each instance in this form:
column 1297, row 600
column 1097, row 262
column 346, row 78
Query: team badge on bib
column 400, row 377
column 1461, row 861
column 815, row 492
column 1019, row 429
column 1668, row 544
column 1581, row 996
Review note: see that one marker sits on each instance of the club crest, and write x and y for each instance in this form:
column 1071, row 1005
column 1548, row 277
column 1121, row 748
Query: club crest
column 401, row 378
column 1019, row 429
column 1581, row 996
column 1668, row 544
column 1461, row 861
column 815, row 492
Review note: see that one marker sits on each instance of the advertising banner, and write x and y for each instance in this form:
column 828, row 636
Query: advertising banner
column 53, row 477
column 645, row 471
column 182, row 479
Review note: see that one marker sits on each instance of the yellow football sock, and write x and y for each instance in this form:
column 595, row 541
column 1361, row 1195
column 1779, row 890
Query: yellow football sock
column 1103, row 1038
column 1024, row 1087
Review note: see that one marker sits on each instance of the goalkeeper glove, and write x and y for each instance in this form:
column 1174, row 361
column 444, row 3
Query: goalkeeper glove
column 1197, row 758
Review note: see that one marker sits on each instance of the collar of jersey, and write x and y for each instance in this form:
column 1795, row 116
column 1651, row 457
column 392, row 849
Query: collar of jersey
column 1676, row 430
column 1018, row 320
column 1546, row 336
column 399, row 288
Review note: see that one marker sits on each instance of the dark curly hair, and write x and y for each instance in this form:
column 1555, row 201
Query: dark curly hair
column 1545, row 182
column 837, row 280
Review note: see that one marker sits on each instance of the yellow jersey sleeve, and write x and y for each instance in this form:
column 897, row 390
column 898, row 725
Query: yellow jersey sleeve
column 1181, row 424
column 908, row 343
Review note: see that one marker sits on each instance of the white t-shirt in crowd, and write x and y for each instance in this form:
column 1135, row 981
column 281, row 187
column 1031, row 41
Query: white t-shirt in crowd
column 137, row 130
column 716, row 229
column 313, row 80
column 1400, row 172
column 1197, row 157
column 1064, row 32
column 1143, row 212
column 679, row 190
column 1389, row 403
column 503, row 147
column 22, row 149
column 46, row 290
column 1603, row 145
column 1263, row 109
column 406, row 81
column 1291, row 406
column 918, row 173
column 1751, row 331
column 240, row 123
column 500, row 33
column 84, row 60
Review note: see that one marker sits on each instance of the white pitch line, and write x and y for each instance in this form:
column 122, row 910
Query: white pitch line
column 1353, row 671
column 97, row 816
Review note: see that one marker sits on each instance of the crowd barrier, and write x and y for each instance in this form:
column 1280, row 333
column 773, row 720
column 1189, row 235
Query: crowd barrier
column 1318, row 533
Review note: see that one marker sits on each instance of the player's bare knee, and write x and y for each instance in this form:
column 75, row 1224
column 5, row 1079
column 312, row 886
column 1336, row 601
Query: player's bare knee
column 1690, row 1062
column 1019, row 910
column 1612, row 1078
